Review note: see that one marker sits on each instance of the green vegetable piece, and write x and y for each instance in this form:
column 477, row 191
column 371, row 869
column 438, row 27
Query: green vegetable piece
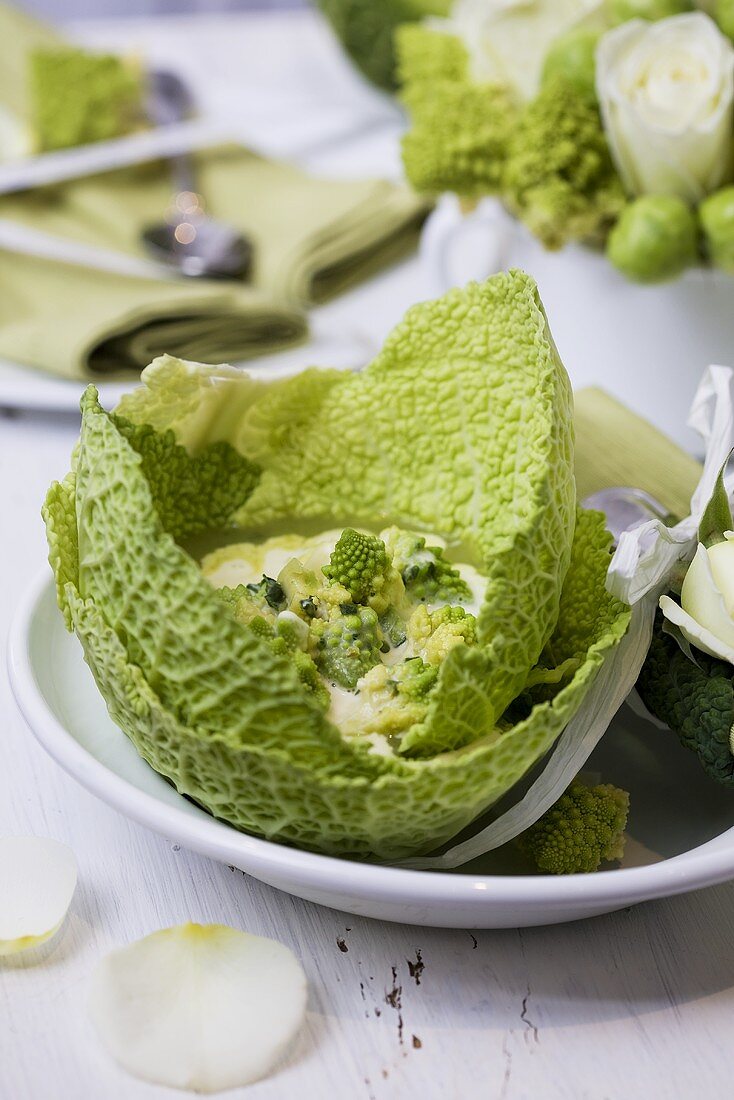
column 281, row 636
column 559, row 178
column 268, row 592
column 427, row 574
column 79, row 97
column 572, row 57
column 584, row 827
column 416, row 679
column 696, row 700
column 365, row 28
column 724, row 16
column 393, row 628
column 309, row 676
column 460, row 130
column 654, row 240
column 652, row 10
column 347, row 647
column 246, row 607
column 716, row 214
column 191, row 494
column 358, row 563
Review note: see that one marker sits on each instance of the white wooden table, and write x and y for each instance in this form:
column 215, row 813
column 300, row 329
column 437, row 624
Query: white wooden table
column 637, row 1004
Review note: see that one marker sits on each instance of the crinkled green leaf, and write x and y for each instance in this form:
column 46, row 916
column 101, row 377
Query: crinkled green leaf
column 61, row 532
column 694, row 698
column 461, row 426
column 190, row 494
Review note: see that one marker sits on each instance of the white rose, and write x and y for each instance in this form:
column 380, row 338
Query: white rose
column 507, row 40
column 666, row 92
column 705, row 615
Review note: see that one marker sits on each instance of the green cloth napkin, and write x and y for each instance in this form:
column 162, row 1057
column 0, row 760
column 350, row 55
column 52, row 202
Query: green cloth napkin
column 614, row 446
column 312, row 237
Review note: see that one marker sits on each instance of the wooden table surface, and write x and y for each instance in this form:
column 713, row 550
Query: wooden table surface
column 636, row 1004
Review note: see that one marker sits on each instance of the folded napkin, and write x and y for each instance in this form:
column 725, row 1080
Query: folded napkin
column 312, row 237
column 614, row 446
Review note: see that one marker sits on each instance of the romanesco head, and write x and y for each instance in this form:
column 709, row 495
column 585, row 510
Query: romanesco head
column 79, row 97
column 309, row 676
column 426, row 572
column 388, row 709
column 346, row 646
column 245, row 606
column 460, row 129
column 433, row 634
column 558, row 176
column 584, row 828
column 415, row 679
column 450, row 626
column 359, row 562
column 285, row 634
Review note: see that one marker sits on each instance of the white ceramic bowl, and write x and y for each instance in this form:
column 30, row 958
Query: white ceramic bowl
column 647, row 345
column 677, row 812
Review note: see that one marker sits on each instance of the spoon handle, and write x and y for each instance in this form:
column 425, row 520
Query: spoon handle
column 183, row 174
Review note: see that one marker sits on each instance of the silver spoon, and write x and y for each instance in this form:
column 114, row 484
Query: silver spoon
column 189, row 240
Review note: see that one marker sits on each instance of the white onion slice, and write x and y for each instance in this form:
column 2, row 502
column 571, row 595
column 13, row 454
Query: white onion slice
column 202, row 1007
column 37, row 883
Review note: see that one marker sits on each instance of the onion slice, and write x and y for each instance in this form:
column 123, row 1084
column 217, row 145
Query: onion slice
column 202, row 1007
column 37, row 883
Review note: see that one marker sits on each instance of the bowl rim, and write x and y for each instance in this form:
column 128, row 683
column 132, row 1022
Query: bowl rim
column 704, row 865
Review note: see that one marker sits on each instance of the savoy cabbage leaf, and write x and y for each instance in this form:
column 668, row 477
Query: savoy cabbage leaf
column 462, row 426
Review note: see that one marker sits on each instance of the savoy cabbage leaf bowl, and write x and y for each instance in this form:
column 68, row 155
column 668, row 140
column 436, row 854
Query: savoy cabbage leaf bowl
column 462, row 427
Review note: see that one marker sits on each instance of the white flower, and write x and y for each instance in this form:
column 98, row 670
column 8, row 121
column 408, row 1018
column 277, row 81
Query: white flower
column 666, row 92
column 705, row 616
column 507, row 40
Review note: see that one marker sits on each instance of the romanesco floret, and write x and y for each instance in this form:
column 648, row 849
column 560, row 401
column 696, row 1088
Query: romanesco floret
column 584, row 827
column 245, row 607
column 426, row 573
column 80, row 97
column 394, row 698
column 346, row 646
column 359, row 563
column 285, row 636
column 460, row 130
column 558, row 177
column 366, row 28
column 433, row 634
column 415, row 679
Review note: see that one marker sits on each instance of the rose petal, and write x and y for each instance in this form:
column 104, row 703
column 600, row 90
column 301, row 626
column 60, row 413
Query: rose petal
column 696, row 634
column 37, row 883
column 202, row 1007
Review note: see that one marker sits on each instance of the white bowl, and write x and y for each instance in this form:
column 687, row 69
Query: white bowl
column 677, row 812
column 647, row 345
